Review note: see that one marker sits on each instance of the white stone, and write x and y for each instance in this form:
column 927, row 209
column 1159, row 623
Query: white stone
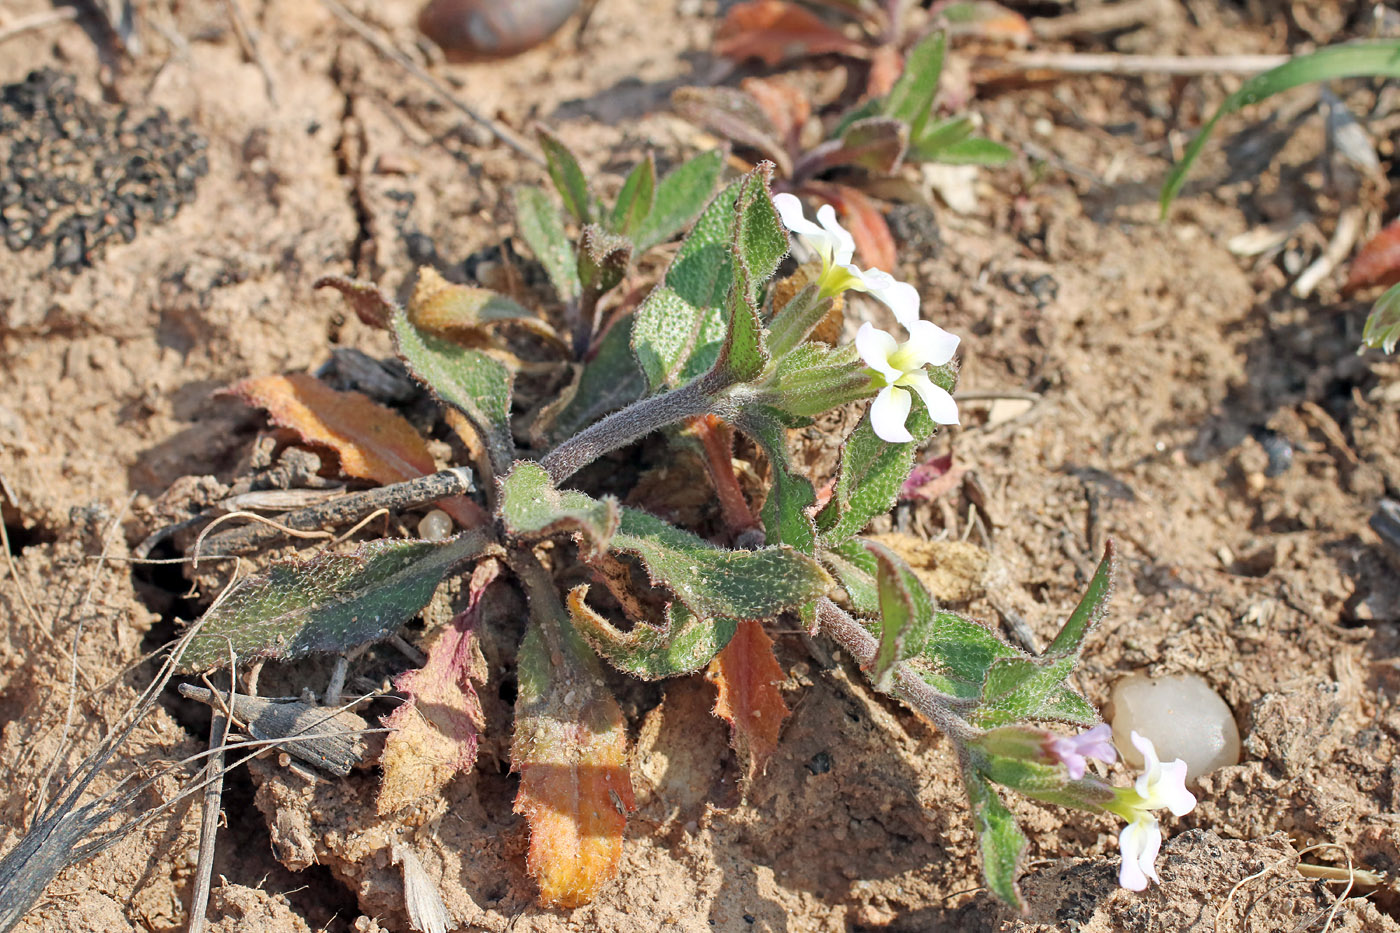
column 1182, row 716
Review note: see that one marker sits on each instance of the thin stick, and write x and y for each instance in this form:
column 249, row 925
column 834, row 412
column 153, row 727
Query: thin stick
column 444, row 484
column 295, row 533
column 249, row 42
column 383, row 47
column 38, row 21
column 219, row 725
column 1108, row 63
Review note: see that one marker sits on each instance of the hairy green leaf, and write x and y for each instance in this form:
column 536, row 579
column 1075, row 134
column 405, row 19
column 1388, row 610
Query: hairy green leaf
column 955, row 654
column 530, row 506
column 568, row 177
column 929, row 144
column 854, row 568
column 685, row 313
column 634, row 201
column 1355, row 59
column 1018, row 689
column 911, row 99
column 906, row 610
column 1001, row 839
column 784, row 514
column 871, row 472
column 1092, row 606
column 469, row 380
column 539, row 224
column 683, row 645
column 602, row 260
column 974, row 151
column 329, row 604
column 680, row 197
column 760, row 243
column 713, row 582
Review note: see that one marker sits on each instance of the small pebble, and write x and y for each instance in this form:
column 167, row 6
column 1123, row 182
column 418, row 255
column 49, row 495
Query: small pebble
column 1182, row 716
column 435, row 526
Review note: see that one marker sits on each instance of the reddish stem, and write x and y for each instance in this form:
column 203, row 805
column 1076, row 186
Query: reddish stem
column 717, row 440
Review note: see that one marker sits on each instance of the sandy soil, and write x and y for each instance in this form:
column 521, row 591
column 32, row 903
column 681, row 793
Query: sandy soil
column 1167, row 372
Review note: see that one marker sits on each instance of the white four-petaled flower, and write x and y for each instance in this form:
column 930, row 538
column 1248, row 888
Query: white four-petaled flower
column 900, row 367
column 1160, row 785
column 830, row 241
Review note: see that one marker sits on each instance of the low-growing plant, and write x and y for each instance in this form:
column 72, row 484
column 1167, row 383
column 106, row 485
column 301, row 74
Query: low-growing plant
column 719, row 341
column 857, row 150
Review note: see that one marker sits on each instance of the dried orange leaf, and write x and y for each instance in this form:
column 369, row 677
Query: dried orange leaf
column 466, row 311
column 874, row 242
column 787, row 106
column 373, row 442
column 571, row 751
column 747, row 676
column 1378, row 263
column 437, row 727
column 886, row 66
column 772, row 30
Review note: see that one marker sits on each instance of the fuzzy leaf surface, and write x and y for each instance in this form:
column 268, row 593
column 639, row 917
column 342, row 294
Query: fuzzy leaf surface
column 532, row 507
column 906, row 610
column 568, row 177
column 794, row 322
column 685, row 312
column 329, row 604
column 855, row 570
column 447, row 308
column 713, row 582
column 911, row 99
column 747, row 676
column 680, row 197
column 870, row 476
column 570, row 748
column 469, row 380
column 784, row 514
column 603, row 259
column 1001, row 840
column 760, row 243
column 635, row 200
column 538, row 221
column 682, row 645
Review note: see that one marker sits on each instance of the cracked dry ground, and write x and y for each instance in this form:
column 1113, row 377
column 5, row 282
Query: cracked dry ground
column 1154, row 349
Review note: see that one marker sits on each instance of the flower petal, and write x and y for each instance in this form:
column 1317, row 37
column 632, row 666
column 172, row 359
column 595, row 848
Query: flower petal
column 930, row 343
column 1170, row 791
column 875, row 347
column 790, row 210
column 941, row 407
column 843, row 244
column 888, row 413
column 1138, row 843
column 901, row 297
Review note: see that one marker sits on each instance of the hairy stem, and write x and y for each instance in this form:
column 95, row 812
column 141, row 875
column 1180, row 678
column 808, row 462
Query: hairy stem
column 937, row 707
column 628, row 425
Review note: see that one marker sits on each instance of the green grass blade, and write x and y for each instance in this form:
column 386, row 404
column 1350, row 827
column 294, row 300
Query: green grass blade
column 1353, row 60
